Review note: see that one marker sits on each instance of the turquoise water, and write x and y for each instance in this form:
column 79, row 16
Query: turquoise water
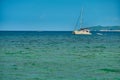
column 59, row 56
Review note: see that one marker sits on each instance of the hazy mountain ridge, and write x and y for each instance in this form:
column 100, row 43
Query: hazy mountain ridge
column 98, row 28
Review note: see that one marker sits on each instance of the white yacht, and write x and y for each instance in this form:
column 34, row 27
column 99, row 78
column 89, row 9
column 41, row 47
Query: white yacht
column 81, row 31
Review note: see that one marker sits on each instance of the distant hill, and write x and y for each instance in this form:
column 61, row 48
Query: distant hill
column 97, row 28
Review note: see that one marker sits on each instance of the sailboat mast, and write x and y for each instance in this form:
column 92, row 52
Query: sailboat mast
column 81, row 18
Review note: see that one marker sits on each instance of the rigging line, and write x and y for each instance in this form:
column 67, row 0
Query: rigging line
column 77, row 23
column 79, row 19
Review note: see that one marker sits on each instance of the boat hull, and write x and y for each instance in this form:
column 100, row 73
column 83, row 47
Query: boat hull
column 81, row 32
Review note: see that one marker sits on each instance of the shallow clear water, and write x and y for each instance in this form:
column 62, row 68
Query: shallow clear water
column 59, row 56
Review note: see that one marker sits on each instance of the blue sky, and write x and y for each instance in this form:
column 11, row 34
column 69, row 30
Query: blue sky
column 57, row 14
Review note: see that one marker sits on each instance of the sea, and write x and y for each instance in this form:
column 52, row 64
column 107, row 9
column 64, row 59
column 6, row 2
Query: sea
column 59, row 55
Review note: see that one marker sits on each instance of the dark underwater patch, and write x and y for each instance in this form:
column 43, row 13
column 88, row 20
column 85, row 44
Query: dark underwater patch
column 110, row 70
